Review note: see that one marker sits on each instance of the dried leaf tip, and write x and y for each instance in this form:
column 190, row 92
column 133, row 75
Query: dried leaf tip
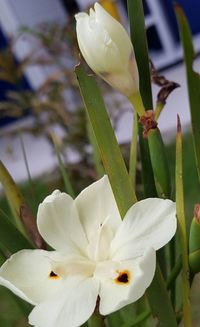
column 197, row 213
column 179, row 130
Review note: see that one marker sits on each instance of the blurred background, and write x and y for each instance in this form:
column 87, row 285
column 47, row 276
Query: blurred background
column 38, row 91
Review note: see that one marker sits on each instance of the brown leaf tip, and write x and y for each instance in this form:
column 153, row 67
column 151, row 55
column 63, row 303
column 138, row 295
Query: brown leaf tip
column 197, row 213
column 148, row 122
column 179, row 130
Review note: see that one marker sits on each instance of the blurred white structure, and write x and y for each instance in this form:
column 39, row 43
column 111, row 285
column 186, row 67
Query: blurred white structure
column 16, row 13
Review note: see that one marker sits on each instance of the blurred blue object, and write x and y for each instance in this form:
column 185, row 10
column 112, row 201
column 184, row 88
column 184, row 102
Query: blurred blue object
column 192, row 11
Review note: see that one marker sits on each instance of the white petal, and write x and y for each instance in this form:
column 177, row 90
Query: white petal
column 26, row 274
column 148, row 223
column 98, row 210
column 97, row 47
column 59, row 224
column 70, row 307
column 117, row 33
column 115, row 295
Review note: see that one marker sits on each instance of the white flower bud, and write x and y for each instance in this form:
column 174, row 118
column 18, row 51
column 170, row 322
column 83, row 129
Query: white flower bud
column 107, row 49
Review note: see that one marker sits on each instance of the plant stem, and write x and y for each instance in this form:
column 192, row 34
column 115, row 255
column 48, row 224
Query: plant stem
column 136, row 101
column 67, row 183
column 172, row 259
column 133, row 151
column 159, row 108
column 26, row 164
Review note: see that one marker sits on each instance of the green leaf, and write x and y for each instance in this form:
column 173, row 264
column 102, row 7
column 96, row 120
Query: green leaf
column 193, row 80
column 160, row 302
column 13, row 196
column 109, row 149
column 95, row 151
column 24, row 219
column 187, row 318
column 139, row 40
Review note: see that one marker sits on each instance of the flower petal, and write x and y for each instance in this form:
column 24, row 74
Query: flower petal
column 96, row 205
column 148, row 223
column 27, row 274
column 70, row 307
column 117, row 292
column 117, row 33
column 59, row 224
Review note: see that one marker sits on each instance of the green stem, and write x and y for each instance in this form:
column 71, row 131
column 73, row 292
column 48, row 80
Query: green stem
column 133, row 151
column 174, row 274
column 187, row 318
column 172, row 259
column 136, row 101
column 27, row 165
column 158, row 110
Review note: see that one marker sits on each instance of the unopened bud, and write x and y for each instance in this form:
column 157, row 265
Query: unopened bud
column 107, row 49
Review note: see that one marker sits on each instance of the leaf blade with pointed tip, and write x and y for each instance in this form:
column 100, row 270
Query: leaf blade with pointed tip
column 193, row 80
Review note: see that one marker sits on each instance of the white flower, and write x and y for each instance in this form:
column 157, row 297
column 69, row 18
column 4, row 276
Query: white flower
column 97, row 254
column 107, row 49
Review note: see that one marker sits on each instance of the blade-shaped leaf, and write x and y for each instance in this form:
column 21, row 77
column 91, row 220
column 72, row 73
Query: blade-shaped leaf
column 193, row 80
column 109, row 149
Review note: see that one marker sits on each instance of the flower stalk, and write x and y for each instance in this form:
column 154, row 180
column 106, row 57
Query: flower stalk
column 133, row 151
column 137, row 103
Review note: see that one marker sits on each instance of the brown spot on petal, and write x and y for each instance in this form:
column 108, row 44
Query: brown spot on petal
column 53, row 275
column 123, row 277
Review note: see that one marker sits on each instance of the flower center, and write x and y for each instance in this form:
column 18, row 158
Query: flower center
column 123, row 277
